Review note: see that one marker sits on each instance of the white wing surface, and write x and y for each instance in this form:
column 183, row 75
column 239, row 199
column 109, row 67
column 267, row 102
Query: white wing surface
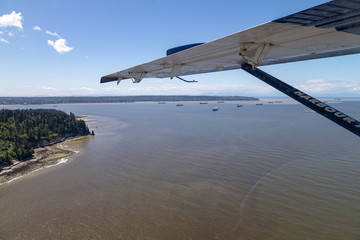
column 327, row 30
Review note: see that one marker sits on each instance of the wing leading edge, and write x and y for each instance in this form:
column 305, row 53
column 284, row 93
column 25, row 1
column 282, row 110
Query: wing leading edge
column 327, row 30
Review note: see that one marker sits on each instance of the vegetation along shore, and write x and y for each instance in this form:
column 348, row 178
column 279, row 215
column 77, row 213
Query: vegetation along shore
column 28, row 138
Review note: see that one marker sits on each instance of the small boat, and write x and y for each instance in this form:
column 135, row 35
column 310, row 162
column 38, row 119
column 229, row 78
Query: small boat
column 220, row 102
column 203, row 103
column 239, row 105
column 259, row 104
column 161, row 102
column 179, row 105
column 215, row 109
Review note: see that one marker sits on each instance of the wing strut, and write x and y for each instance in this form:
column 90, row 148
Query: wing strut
column 329, row 112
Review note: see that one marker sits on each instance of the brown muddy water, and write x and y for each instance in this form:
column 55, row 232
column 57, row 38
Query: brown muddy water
column 165, row 172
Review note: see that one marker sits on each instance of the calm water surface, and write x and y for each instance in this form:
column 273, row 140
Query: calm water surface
column 157, row 171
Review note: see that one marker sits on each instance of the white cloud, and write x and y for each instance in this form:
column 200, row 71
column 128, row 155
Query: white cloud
column 83, row 91
column 324, row 87
column 3, row 40
column 60, row 46
column 86, row 89
column 49, row 88
column 1, row 32
column 316, row 81
column 11, row 34
column 52, row 34
column 11, row 20
column 37, row 28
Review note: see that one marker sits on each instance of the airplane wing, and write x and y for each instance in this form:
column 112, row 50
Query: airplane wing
column 327, row 30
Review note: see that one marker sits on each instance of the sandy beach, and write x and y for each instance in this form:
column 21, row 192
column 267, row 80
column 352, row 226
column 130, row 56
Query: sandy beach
column 42, row 157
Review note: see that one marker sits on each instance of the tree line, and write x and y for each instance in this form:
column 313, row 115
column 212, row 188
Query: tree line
column 21, row 130
column 115, row 99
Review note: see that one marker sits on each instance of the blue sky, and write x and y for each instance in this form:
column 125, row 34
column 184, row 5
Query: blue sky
column 63, row 47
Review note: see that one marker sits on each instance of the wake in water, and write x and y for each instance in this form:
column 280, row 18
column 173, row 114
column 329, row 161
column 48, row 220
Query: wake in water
column 255, row 186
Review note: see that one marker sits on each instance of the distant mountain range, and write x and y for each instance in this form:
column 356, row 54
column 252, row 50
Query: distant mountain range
column 118, row 99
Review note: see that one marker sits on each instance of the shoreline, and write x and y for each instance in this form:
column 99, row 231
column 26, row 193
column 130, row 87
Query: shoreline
column 44, row 156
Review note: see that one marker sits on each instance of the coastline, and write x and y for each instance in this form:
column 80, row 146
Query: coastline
column 43, row 156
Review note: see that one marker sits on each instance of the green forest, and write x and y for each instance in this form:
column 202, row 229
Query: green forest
column 22, row 130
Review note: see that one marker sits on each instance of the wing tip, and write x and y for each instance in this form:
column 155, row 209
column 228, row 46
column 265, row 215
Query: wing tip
column 108, row 79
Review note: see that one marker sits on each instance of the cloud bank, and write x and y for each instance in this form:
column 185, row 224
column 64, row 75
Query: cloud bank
column 324, row 87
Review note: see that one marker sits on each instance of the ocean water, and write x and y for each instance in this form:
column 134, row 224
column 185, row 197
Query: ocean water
column 157, row 171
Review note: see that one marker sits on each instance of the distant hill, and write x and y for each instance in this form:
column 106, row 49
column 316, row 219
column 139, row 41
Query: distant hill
column 117, row 99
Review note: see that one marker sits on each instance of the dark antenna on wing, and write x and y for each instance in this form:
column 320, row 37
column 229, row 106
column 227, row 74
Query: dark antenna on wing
column 185, row 80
